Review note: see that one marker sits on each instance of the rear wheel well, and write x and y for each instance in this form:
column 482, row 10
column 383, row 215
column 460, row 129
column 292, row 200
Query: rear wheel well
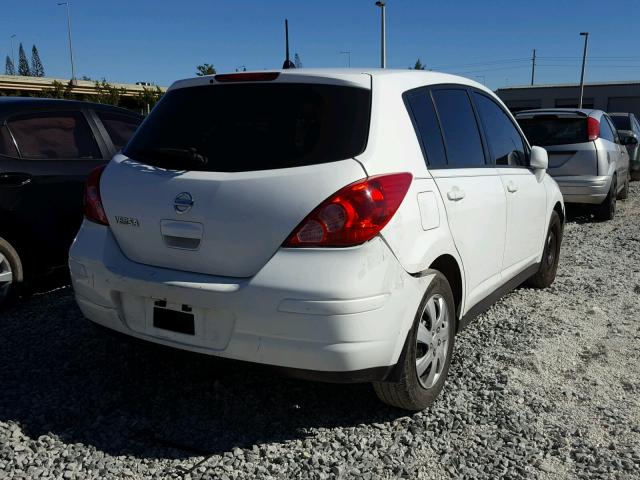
column 558, row 209
column 448, row 266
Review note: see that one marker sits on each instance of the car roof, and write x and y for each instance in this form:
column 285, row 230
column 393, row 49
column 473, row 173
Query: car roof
column 11, row 103
column 403, row 78
column 620, row 114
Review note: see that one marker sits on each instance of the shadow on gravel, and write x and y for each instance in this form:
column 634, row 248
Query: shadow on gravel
column 580, row 214
column 60, row 375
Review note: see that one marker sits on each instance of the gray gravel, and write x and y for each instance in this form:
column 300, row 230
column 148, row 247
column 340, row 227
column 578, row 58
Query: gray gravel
column 546, row 384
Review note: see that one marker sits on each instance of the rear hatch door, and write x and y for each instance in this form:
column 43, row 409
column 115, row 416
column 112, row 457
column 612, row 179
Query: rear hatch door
column 219, row 175
column 564, row 135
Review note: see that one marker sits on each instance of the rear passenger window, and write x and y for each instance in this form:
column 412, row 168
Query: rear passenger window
column 7, row 146
column 427, row 127
column 43, row 136
column 505, row 142
column 459, row 128
column 606, row 132
column 614, row 131
column 119, row 127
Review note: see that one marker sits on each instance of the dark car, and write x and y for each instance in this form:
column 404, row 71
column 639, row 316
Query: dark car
column 47, row 149
column 629, row 131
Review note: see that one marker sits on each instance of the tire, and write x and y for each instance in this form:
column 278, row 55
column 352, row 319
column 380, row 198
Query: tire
column 11, row 272
column 546, row 274
column 624, row 193
column 411, row 392
column 607, row 209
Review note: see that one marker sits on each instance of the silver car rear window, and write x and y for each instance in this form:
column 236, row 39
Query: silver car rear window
column 547, row 130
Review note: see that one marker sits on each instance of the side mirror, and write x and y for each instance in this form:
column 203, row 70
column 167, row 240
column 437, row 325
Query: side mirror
column 628, row 138
column 539, row 158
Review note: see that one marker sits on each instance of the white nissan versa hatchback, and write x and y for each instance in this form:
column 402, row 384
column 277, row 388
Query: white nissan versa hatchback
column 343, row 224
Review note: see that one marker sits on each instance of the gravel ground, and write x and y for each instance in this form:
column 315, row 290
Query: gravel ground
column 546, row 384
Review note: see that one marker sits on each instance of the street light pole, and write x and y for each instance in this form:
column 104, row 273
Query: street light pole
column 348, row 54
column 584, row 61
column 13, row 53
column 383, row 41
column 73, row 68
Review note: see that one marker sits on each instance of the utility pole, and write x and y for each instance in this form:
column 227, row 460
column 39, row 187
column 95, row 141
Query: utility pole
column 533, row 66
column 73, row 68
column 584, row 61
column 383, row 41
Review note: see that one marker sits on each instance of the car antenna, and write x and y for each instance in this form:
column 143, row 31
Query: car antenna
column 287, row 62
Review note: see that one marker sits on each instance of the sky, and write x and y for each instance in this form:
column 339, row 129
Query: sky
column 490, row 41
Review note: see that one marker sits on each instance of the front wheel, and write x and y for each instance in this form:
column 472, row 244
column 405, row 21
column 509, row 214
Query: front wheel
column 426, row 357
column 546, row 274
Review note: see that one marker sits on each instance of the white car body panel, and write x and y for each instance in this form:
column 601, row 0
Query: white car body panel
column 241, row 217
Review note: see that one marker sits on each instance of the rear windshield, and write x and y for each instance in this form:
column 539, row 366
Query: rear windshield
column 622, row 122
column 545, row 130
column 236, row 128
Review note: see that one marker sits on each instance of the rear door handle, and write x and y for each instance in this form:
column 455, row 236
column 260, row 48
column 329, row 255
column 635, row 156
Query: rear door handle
column 13, row 179
column 455, row 194
column 512, row 187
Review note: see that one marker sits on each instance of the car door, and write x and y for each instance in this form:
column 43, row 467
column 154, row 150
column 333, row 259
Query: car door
column 618, row 151
column 55, row 151
column 525, row 193
column 471, row 191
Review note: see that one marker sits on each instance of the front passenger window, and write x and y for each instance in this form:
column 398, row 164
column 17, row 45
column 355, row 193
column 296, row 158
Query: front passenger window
column 505, row 142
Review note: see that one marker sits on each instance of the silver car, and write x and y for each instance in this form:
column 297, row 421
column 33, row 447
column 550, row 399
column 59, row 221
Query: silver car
column 586, row 156
column 629, row 132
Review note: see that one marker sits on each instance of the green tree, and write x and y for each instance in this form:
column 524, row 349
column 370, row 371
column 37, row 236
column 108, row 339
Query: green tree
column 418, row 66
column 107, row 93
column 59, row 90
column 9, row 69
column 205, row 69
column 296, row 61
column 23, row 64
column 37, row 70
column 148, row 98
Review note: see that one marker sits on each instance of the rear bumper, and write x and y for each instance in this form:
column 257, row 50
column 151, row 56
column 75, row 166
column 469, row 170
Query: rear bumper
column 327, row 314
column 584, row 189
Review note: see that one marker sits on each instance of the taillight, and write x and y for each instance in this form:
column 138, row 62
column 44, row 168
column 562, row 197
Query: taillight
column 593, row 128
column 93, row 209
column 354, row 214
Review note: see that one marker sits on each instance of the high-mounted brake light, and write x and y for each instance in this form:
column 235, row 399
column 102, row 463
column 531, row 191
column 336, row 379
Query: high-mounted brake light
column 593, row 128
column 354, row 214
column 93, row 209
column 246, row 77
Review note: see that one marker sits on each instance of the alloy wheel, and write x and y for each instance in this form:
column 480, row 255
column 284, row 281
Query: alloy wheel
column 432, row 341
column 551, row 248
column 6, row 275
